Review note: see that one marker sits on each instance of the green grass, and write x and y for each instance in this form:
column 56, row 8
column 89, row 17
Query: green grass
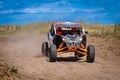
column 9, row 29
column 43, row 30
column 36, row 27
column 7, row 72
column 103, row 30
column 43, row 27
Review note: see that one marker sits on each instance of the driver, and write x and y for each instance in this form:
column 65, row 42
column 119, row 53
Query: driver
column 59, row 31
column 51, row 34
column 74, row 31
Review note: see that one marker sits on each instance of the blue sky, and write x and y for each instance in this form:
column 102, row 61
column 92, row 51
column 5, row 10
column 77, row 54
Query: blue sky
column 29, row 11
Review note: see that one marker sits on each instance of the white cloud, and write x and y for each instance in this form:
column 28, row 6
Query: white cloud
column 39, row 10
column 1, row 6
column 26, row 10
column 1, row 2
column 36, row 10
column 29, row 10
column 7, row 11
column 62, row 2
column 92, row 10
column 48, row 8
column 96, row 15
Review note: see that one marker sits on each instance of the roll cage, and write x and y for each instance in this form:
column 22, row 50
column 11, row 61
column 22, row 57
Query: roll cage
column 66, row 28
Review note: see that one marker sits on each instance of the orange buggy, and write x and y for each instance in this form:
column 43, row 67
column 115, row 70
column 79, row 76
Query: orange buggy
column 67, row 37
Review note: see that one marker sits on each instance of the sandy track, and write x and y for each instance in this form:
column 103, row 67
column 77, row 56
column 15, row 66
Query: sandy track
column 24, row 52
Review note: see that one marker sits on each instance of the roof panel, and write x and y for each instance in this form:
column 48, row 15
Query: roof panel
column 67, row 24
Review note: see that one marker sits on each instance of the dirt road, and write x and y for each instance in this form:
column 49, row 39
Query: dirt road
column 24, row 52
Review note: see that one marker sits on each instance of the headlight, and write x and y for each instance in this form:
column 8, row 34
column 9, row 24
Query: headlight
column 78, row 39
column 63, row 39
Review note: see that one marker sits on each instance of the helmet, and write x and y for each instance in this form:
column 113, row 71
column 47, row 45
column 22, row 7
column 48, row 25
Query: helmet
column 74, row 31
column 59, row 30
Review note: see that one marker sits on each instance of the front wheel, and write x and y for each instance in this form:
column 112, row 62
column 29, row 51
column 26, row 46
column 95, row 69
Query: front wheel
column 53, row 53
column 90, row 54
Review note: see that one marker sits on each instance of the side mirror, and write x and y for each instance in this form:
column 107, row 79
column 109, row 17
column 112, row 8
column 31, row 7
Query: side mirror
column 86, row 32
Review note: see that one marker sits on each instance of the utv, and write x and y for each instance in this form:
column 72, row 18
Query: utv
column 67, row 37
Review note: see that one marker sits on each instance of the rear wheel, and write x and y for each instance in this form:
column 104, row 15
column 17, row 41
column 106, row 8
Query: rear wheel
column 90, row 53
column 53, row 53
column 45, row 48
